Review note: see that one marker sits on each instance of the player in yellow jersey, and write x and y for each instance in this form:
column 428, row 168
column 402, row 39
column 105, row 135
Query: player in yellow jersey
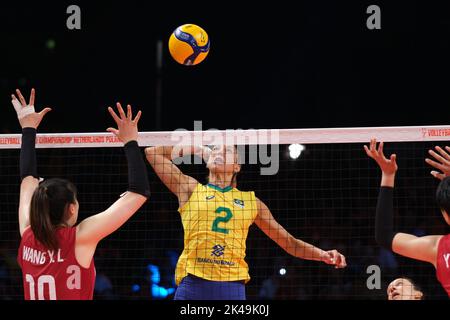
column 216, row 218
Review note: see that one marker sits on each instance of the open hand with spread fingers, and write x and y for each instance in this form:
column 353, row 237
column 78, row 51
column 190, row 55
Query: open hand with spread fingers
column 26, row 114
column 441, row 162
column 127, row 127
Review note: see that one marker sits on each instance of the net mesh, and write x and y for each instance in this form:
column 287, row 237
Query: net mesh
column 326, row 197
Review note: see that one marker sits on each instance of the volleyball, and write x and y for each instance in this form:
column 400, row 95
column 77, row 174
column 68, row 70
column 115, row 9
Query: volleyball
column 189, row 44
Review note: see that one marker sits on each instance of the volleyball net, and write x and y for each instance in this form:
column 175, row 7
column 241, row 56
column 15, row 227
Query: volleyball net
column 318, row 183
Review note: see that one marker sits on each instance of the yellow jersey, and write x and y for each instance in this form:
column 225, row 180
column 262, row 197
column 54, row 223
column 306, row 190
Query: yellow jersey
column 216, row 223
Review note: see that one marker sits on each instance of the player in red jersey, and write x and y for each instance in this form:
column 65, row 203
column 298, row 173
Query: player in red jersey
column 404, row 289
column 442, row 163
column 434, row 249
column 56, row 256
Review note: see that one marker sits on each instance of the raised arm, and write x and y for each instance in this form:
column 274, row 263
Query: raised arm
column 160, row 158
column 29, row 121
column 295, row 247
column 441, row 162
column 408, row 245
column 93, row 229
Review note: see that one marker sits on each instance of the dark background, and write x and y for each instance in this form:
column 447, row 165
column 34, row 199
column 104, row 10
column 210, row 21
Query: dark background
column 271, row 65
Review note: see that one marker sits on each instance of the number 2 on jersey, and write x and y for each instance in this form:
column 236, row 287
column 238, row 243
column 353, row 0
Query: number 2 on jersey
column 215, row 225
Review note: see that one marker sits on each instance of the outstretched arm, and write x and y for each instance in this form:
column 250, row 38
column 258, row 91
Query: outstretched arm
column 295, row 247
column 160, row 158
column 419, row 248
column 29, row 121
column 441, row 162
column 93, row 229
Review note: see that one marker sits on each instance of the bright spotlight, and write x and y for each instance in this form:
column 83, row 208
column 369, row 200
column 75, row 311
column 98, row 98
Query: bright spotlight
column 282, row 271
column 295, row 150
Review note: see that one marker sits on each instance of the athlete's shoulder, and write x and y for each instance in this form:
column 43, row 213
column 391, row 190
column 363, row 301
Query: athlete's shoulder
column 244, row 192
column 27, row 232
column 199, row 187
column 65, row 230
column 444, row 240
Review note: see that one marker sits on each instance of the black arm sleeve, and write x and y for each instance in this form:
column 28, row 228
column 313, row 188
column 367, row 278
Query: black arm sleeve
column 384, row 220
column 137, row 171
column 28, row 165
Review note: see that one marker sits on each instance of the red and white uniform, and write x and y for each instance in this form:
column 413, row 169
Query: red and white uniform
column 49, row 275
column 443, row 263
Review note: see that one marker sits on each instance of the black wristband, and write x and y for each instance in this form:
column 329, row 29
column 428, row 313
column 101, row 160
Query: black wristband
column 28, row 165
column 137, row 171
column 384, row 220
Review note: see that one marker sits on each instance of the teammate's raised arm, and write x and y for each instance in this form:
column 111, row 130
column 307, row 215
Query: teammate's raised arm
column 29, row 121
column 93, row 229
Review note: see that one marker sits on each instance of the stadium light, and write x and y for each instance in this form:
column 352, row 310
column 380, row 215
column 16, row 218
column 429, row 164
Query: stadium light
column 295, row 150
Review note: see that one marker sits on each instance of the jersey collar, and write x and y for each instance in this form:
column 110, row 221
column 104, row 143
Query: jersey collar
column 223, row 190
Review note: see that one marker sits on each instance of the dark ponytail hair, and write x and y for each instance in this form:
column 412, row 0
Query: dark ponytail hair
column 416, row 287
column 443, row 195
column 48, row 209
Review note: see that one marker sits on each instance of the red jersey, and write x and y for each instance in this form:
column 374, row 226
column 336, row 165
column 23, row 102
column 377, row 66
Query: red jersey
column 443, row 263
column 49, row 275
